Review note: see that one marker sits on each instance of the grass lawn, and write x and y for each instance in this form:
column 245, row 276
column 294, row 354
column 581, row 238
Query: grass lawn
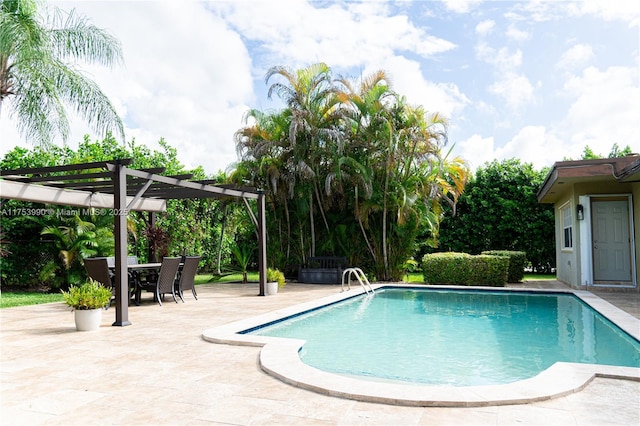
column 252, row 276
column 10, row 299
column 539, row 277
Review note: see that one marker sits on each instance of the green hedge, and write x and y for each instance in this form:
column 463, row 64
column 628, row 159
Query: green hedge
column 464, row 269
column 517, row 262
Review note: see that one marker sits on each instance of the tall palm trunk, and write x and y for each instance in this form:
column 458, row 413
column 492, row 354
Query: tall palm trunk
column 385, row 257
column 312, row 226
column 288, row 217
column 364, row 233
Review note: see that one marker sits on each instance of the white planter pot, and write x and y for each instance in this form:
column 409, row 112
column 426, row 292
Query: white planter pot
column 88, row 320
column 272, row 288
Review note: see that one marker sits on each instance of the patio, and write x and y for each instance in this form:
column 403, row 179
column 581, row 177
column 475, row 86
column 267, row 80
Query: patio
column 160, row 371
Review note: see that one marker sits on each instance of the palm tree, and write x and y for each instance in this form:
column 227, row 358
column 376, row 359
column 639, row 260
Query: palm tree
column 358, row 155
column 397, row 148
column 38, row 76
column 262, row 146
column 311, row 99
column 75, row 238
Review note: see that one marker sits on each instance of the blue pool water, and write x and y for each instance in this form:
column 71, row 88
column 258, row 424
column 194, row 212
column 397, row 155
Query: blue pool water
column 461, row 338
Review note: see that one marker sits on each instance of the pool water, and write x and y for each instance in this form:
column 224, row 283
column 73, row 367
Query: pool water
column 460, row 338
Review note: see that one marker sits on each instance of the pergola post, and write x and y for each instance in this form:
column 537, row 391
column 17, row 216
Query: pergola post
column 151, row 250
column 262, row 243
column 120, row 234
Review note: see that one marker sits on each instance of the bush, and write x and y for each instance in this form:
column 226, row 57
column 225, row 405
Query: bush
column 489, row 270
column 446, row 268
column 517, row 262
column 464, row 269
column 90, row 295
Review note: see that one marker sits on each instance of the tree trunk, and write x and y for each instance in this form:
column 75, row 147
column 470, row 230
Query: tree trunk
column 313, row 228
column 286, row 212
column 384, row 211
column 324, row 218
column 364, row 233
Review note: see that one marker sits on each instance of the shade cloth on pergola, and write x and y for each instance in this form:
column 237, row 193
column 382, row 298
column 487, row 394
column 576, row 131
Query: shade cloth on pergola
column 112, row 185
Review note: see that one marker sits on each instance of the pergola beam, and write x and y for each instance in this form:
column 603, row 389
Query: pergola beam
column 71, row 197
column 64, row 168
column 192, row 185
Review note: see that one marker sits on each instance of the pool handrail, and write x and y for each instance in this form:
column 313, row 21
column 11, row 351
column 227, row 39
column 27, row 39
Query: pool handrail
column 360, row 276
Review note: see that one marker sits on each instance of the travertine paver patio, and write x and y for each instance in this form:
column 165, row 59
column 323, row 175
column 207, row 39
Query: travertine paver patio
column 160, row 371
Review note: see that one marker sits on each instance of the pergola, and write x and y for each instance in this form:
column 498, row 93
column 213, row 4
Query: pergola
column 114, row 186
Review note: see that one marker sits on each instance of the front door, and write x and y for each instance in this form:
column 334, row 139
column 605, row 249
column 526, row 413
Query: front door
column 611, row 241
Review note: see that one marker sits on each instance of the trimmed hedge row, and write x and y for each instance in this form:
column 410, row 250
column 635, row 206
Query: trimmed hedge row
column 464, row 269
column 517, row 262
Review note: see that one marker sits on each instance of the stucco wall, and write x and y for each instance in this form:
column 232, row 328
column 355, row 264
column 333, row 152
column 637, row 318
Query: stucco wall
column 636, row 226
column 568, row 262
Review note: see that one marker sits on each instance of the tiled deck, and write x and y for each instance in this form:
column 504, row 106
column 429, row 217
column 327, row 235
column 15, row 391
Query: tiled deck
column 160, row 371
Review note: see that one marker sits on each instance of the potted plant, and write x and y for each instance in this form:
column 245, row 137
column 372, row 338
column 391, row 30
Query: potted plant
column 275, row 280
column 88, row 300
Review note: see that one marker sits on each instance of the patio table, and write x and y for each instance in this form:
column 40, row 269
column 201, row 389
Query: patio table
column 134, row 273
column 136, row 268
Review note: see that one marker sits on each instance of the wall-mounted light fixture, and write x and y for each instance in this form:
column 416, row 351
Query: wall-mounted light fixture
column 580, row 212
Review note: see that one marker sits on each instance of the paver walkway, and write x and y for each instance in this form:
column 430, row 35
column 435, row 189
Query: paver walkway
column 160, row 371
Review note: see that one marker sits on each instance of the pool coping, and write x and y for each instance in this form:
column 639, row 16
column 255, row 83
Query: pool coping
column 279, row 358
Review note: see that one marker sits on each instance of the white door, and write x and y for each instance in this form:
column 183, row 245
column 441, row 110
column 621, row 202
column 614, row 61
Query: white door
column 611, row 241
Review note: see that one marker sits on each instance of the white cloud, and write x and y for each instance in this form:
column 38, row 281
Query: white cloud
column 340, row 36
column 321, row 36
column 536, row 145
column 535, row 10
column 9, row 137
column 461, row 6
column 515, row 89
column 407, row 79
column 485, row 27
column 610, row 10
column 502, row 59
column 476, row 150
column 575, row 57
column 531, row 144
column 605, row 110
column 515, row 34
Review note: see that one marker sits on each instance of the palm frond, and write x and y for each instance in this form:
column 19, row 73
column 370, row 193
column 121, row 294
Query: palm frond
column 38, row 77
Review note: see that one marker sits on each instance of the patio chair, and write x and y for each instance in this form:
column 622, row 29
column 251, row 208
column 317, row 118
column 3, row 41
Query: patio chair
column 187, row 276
column 98, row 269
column 164, row 283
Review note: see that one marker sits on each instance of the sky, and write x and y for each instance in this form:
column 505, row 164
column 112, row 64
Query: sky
column 533, row 80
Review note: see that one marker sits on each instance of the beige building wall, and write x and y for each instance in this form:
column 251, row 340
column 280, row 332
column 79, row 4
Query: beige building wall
column 567, row 264
column 568, row 261
column 636, row 229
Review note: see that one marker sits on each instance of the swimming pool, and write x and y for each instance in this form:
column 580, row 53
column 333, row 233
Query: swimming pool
column 460, row 338
column 280, row 358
